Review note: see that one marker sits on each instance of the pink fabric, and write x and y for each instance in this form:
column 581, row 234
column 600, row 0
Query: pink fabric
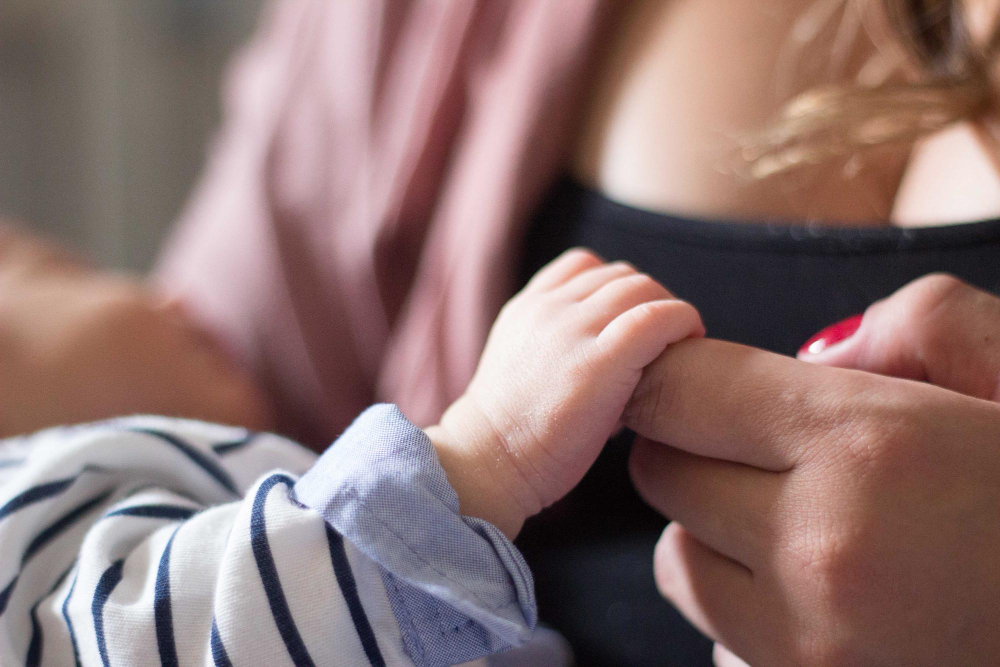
column 358, row 225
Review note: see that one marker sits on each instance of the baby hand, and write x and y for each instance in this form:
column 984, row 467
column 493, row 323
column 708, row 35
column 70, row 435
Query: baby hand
column 560, row 363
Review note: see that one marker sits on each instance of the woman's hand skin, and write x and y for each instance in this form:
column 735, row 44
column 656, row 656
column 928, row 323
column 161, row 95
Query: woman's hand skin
column 77, row 344
column 938, row 329
column 824, row 515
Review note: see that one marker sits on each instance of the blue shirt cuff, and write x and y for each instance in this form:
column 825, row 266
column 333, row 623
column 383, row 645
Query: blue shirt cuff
column 458, row 587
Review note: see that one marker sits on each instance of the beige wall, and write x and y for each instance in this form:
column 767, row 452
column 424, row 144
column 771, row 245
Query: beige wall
column 105, row 110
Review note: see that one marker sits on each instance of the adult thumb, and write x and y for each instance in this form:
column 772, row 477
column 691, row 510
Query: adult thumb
column 936, row 329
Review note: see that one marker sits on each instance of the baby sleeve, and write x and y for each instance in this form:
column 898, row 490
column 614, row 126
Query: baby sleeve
column 159, row 541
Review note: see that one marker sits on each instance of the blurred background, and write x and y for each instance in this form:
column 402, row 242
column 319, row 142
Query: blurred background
column 106, row 108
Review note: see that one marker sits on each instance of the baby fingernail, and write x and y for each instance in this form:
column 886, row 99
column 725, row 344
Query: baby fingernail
column 833, row 334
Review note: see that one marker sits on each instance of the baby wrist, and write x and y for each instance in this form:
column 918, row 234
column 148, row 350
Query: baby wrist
column 482, row 473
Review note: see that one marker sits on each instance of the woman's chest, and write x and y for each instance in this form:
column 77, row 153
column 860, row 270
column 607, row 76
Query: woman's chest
column 684, row 85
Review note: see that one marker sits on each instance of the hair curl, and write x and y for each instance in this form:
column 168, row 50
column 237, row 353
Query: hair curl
column 950, row 80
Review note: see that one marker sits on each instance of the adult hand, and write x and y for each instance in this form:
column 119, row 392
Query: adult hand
column 77, row 344
column 823, row 515
column 936, row 329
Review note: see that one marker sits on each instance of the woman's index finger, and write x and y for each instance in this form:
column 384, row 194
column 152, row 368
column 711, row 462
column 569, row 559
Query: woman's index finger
column 737, row 403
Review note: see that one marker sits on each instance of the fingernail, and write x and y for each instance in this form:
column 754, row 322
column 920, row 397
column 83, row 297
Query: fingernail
column 833, row 334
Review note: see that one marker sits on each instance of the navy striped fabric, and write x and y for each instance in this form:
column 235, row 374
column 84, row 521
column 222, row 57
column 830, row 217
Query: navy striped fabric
column 297, row 650
column 223, row 448
column 111, row 577
column 219, row 655
column 200, row 459
column 48, row 534
column 349, row 589
column 120, row 548
column 69, row 623
column 34, row 657
column 162, row 612
column 173, row 512
column 33, row 495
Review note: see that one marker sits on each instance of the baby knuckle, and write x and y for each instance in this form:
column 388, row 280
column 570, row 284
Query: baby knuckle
column 642, row 281
column 581, row 254
column 578, row 259
column 623, row 267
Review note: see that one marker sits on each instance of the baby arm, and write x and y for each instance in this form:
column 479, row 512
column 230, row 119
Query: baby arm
column 559, row 366
column 150, row 540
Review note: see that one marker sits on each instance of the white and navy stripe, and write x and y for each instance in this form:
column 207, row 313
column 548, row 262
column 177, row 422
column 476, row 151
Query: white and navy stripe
column 119, row 574
column 152, row 541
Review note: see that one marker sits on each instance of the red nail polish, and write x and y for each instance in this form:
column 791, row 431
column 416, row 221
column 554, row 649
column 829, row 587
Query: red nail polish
column 832, row 335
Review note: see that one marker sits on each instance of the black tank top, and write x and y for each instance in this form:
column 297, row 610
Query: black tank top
column 767, row 285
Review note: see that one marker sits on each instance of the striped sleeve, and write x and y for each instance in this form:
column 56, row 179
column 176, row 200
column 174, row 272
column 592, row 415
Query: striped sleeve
column 156, row 541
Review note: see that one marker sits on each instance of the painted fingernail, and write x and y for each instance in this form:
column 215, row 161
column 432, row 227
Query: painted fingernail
column 833, row 334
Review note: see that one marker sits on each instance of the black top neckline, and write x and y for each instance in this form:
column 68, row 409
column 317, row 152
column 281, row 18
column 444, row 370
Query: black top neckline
column 779, row 237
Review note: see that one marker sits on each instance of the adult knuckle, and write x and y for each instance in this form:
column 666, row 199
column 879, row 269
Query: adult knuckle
column 863, row 447
column 832, row 559
column 886, row 435
column 816, row 552
column 926, row 298
column 866, row 424
column 939, row 284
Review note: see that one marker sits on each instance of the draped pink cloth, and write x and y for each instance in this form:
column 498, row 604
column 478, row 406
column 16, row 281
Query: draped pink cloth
column 359, row 223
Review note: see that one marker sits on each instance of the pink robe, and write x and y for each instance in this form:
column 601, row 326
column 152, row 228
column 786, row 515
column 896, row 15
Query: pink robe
column 359, row 223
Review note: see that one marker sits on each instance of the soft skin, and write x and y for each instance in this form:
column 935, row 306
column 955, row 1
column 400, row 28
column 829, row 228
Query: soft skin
column 560, row 363
column 830, row 516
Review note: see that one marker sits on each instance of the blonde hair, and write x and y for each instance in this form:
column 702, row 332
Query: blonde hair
column 947, row 78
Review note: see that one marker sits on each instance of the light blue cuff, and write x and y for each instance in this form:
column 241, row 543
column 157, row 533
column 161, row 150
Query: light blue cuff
column 459, row 589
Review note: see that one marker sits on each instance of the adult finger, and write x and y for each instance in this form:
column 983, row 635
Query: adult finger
column 741, row 404
column 728, row 506
column 936, row 329
column 716, row 594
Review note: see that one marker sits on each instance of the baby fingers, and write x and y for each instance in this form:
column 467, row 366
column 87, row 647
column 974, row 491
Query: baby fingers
column 639, row 335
